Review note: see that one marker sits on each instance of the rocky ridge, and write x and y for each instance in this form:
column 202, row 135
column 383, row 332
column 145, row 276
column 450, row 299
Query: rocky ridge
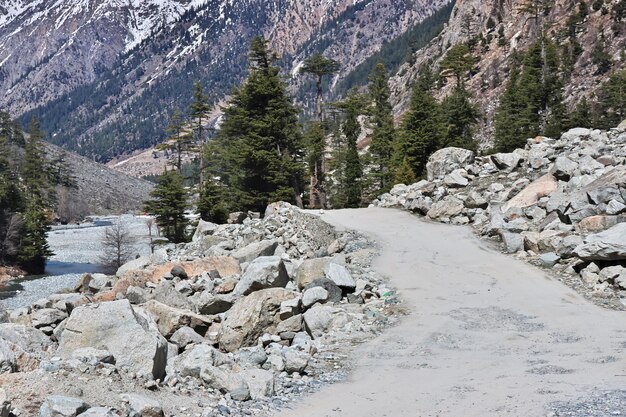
column 558, row 203
column 241, row 321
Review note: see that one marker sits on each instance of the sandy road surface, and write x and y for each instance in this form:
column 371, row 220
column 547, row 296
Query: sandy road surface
column 488, row 335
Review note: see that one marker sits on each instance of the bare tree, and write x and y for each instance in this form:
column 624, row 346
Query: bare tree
column 150, row 223
column 117, row 245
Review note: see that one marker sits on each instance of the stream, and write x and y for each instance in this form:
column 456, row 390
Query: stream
column 77, row 250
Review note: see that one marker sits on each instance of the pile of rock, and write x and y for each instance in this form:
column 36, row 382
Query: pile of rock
column 560, row 202
column 244, row 312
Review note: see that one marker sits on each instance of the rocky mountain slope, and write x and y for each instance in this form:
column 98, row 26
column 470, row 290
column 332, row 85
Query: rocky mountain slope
column 500, row 29
column 559, row 203
column 109, row 74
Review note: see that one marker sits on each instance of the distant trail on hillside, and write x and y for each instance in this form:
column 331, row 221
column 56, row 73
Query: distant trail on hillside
column 488, row 335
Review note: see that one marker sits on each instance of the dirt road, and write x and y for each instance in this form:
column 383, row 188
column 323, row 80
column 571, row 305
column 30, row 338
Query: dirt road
column 488, row 335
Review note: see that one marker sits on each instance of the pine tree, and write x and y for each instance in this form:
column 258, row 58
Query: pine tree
column 198, row 112
column 460, row 117
column 405, row 174
column 381, row 148
column 458, row 62
column 315, row 140
column 33, row 250
column 318, row 66
column 258, row 150
column 178, row 140
column 168, row 205
column 612, row 101
column 346, row 163
column 421, row 132
column 581, row 116
column 211, row 204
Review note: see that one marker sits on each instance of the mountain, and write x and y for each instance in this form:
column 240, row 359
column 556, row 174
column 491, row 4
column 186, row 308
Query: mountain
column 590, row 37
column 104, row 76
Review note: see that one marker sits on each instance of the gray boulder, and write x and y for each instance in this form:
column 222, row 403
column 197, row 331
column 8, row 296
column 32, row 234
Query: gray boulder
column 446, row 208
column 295, row 361
column 59, row 406
column 334, row 292
column 320, row 319
column 129, row 334
column 208, row 303
column 260, row 383
column 169, row 319
column 251, row 356
column 310, row 270
column 191, row 362
column 255, row 250
column 8, row 360
column 564, row 168
column 506, row 161
column 314, row 295
column 47, row 317
column 185, row 336
column 142, row 406
column 263, row 272
column 446, row 160
column 251, row 317
column 455, row 179
column 340, row 275
column 226, row 381
column 203, row 229
column 99, row 412
column 609, row 245
column 513, row 242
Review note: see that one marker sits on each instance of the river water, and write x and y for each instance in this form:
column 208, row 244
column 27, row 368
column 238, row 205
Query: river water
column 77, row 250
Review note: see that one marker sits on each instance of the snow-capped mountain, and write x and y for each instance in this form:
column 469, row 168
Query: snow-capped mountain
column 105, row 75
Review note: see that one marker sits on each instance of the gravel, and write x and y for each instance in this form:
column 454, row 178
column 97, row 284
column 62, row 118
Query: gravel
column 77, row 250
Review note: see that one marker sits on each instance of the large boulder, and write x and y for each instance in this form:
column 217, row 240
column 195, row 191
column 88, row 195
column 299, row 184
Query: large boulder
column 251, row 317
column 263, row 272
column 311, row 270
column 446, row 160
column 21, row 347
column 600, row 223
column 142, row 406
column 564, row 168
column 128, row 333
column 609, row 245
column 340, row 275
column 255, row 250
column 169, row 319
column 533, row 192
column 321, row 319
column 506, row 161
column 204, row 229
column 59, row 406
column 446, row 208
column 208, row 303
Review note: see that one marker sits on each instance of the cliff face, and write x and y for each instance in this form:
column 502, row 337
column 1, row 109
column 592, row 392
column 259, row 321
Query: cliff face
column 562, row 24
column 105, row 76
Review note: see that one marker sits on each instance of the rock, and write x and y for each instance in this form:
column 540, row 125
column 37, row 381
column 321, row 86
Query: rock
column 263, row 272
column 319, row 319
column 26, row 343
column 548, row 260
column 143, row 406
column 179, row 271
column 340, row 275
column 207, row 303
column 615, row 207
column 506, row 161
column 610, row 273
column 513, row 242
column 314, row 295
column 203, row 229
column 99, row 412
column 292, row 324
column 295, row 361
column 530, row 195
column 237, row 217
column 5, row 404
column 609, row 245
column 600, row 223
column 138, row 295
column 564, row 168
column 170, row 319
column 476, row 200
column 255, row 250
column 191, row 362
column 47, row 317
column 8, row 359
column 251, row 317
column 251, row 356
column 568, row 245
column 166, row 293
column 226, row 381
column 129, row 334
column 334, row 292
column 290, row 308
column 92, row 356
column 260, row 383
column 59, row 406
column 310, row 270
column 446, row 160
column 455, row 179
column 185, row 336
column 446, row 208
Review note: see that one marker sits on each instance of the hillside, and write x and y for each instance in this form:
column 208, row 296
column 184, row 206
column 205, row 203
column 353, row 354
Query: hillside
column 111, row 86
column 590, row 37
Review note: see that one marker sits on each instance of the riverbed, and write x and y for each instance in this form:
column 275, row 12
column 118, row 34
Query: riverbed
column 77, row 250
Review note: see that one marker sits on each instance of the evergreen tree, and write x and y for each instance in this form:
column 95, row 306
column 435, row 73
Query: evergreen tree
column 460, row 117
column 405, row 174
column 33, row 250
column 346, row 163
column 198, row 112
column 581, row 116
column 211, row 205
column 11, row 223
column 168, row 204
column 318, row 66
column 421, row 132
column 612, row 101
column 458, row 62
column 381, row 148
column 178, row 141
column 315, row 140
column 258, row 152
